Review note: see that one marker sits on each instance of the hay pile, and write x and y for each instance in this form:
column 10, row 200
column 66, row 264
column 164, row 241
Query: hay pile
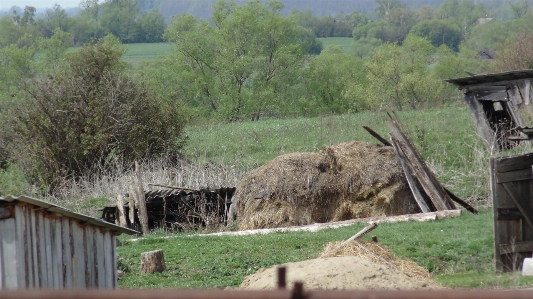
column 381, row 253
column 346, row 181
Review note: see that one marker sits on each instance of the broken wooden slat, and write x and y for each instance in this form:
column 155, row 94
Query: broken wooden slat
column 377, row 136
column 463, row 203
column 419, row 169
column 172, row 187
column 419, row 198
column 358, row 235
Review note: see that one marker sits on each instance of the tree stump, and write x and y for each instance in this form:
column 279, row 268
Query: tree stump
column 152, row 261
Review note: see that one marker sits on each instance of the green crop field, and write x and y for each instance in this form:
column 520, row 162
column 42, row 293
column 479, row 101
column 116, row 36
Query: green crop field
column 344, row 42
column 136, row 53
column 140, row 52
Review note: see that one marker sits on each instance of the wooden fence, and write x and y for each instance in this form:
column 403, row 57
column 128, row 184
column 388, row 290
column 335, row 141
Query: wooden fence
column 512, row 195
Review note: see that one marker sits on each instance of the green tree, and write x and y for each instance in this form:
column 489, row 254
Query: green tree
column 328, row 78
column 399, row 76
column 237, row 64
column 439, row 32
column 118, row 17
column 151, row 27
column 77, row 118
column 385, row 7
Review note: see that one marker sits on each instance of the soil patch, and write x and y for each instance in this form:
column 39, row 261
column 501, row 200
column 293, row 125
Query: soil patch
column 337, row 273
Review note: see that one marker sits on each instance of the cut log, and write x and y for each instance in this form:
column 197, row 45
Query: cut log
column 141, row 202
column 120, row 211
column 153, row 261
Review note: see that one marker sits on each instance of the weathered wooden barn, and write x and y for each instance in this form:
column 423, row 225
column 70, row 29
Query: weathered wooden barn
column 43, row 245
column 501, row 105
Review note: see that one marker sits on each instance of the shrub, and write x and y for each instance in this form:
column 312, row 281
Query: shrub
column 89, row 111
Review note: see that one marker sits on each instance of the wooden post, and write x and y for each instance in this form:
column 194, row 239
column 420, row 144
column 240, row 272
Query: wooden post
column 132, row 207
column 141, row 203
column 120, row 211
column 153, row 261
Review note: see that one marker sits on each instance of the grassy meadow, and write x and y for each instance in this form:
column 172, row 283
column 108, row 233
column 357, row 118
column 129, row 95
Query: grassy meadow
column 344, row 42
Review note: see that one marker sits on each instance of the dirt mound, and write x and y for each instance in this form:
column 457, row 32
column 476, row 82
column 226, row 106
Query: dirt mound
column 337, row 273
column 379, row 255
column 341, row 182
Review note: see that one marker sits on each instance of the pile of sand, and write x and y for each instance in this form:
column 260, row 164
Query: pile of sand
column 346, row 181
column 337, row 273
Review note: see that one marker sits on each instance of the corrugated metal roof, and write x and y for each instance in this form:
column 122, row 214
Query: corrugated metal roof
column 63, row 211
column 492, row 78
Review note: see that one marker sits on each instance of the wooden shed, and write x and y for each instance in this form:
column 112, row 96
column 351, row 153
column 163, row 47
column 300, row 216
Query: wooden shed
column 43, row 245
column 512, row 201
column 501, row 105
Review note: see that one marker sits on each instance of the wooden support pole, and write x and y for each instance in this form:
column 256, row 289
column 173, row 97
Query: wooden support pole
column 358, row 235
column 153, row 261
column 120, row 211
column 141, row 203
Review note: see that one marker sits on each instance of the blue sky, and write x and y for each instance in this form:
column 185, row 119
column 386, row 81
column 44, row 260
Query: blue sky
column 39, row 3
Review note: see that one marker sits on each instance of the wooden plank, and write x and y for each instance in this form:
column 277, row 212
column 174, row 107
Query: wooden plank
column 419, row 198
column 481, row 121
column 57, row 253
column 514, row 163
column 513, row 176
column 463, row 203
column 113, row 261
column 30, row 247
column 509, row 214
column 377, row 136
column 495, row 204
column 514, row 113
column 46, row 251
column 42, row 244
column 120, row 212
column 2, row 280
column 100, row 253
column 67, row 247
column 524, row 246
column 9, row 253
column 494, row 96
column 525, row 209
column 143, row 214
column 22, row 246
column 132, row 207
column 78, row 255
column 90, row 262
column 434, row 190
column 35, row 249
column 108, row 260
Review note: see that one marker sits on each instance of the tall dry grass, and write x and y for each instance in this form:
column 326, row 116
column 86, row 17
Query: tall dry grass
column 88, row 194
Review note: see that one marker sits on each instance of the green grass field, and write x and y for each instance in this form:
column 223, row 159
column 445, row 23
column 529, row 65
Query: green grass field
column 140, row 52
column 458, row 252
column 344, row 42
column 136, row 53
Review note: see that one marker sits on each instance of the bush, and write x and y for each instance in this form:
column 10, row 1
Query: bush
column 86, row 113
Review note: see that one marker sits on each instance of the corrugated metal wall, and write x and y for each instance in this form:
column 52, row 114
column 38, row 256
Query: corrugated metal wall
column 43, row 250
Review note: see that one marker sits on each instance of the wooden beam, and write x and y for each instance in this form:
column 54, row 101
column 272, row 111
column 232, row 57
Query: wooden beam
column 377, row 136
column 526, row 211
column 419, row 198
column 434, row 190
column 525, row 246
column 120, row 211
column 143, row 214
column 513, row 176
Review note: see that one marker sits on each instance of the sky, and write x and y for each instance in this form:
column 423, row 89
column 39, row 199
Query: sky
column 39, row 3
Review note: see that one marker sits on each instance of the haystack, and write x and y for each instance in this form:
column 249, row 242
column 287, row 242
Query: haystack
column 346, row 181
